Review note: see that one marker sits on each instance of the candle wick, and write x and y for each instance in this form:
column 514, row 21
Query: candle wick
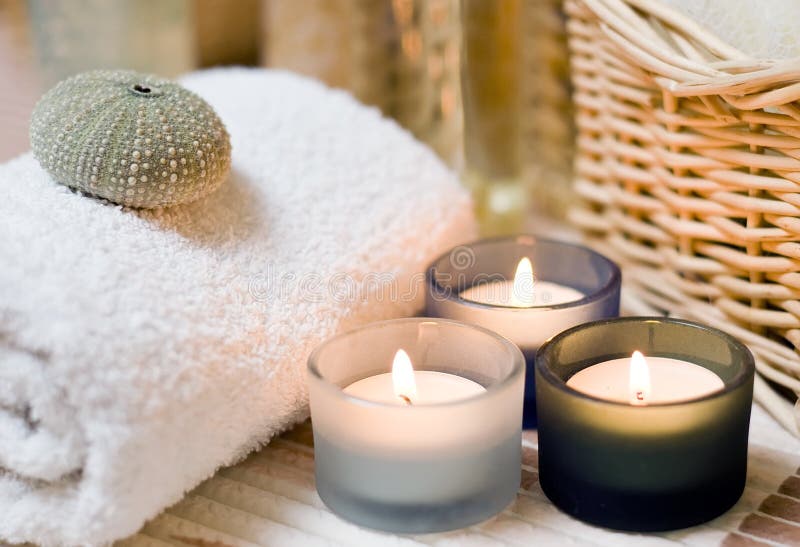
column 406, row 399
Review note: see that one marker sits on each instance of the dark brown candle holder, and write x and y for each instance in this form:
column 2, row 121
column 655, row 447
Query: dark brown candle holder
column 643, row 468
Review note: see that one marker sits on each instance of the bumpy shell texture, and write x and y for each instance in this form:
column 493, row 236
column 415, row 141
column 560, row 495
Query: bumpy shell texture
column 134, row 139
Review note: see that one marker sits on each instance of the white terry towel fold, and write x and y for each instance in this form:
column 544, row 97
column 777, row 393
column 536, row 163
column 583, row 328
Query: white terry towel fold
column 139, row 351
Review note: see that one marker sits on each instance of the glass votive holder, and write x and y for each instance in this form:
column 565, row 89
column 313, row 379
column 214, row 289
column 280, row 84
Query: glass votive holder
column 558, row 269
column 417, row 467
column 654, row 467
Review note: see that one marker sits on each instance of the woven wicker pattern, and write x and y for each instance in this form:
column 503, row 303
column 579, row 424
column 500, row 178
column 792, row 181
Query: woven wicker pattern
column 688, row 174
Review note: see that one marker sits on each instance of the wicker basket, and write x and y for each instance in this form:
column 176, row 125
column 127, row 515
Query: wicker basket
column 688, row 174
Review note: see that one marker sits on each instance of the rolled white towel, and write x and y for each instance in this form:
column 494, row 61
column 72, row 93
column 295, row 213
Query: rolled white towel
column 141, row 350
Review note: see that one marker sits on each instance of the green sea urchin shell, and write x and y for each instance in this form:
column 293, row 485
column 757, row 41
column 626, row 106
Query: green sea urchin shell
column 134, row 139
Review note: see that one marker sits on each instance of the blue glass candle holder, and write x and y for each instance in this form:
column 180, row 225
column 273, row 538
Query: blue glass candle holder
column 495, row 260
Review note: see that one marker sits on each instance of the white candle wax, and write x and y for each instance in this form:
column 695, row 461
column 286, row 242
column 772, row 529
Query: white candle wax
column 671, row 380
column 502, row 293
column 431, row 388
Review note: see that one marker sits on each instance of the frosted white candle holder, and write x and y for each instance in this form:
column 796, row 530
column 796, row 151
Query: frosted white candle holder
column 420, row 468
column 554, row 262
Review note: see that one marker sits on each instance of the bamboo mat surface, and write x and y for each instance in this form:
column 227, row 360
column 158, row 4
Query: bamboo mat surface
column 269, row 499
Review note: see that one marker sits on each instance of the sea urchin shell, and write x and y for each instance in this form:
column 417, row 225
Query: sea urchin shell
column 134, row 139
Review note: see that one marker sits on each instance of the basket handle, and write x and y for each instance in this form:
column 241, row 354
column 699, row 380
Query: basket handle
column 687, row 59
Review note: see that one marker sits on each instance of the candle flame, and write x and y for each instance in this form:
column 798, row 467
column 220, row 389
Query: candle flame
column 405, row 386
column 523, row 284
column 639, row 379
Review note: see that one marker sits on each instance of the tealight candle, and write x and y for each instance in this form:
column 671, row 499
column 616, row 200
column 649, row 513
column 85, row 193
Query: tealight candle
column 416, row 424
column 655, row 440
column 521, row 292
column 641, row 381
column 404, row 385
column 525, row 288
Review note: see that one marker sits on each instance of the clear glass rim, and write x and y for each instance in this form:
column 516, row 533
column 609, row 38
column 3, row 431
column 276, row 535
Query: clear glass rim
column 514, row 353
column 741, row 351
column 612, row 283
